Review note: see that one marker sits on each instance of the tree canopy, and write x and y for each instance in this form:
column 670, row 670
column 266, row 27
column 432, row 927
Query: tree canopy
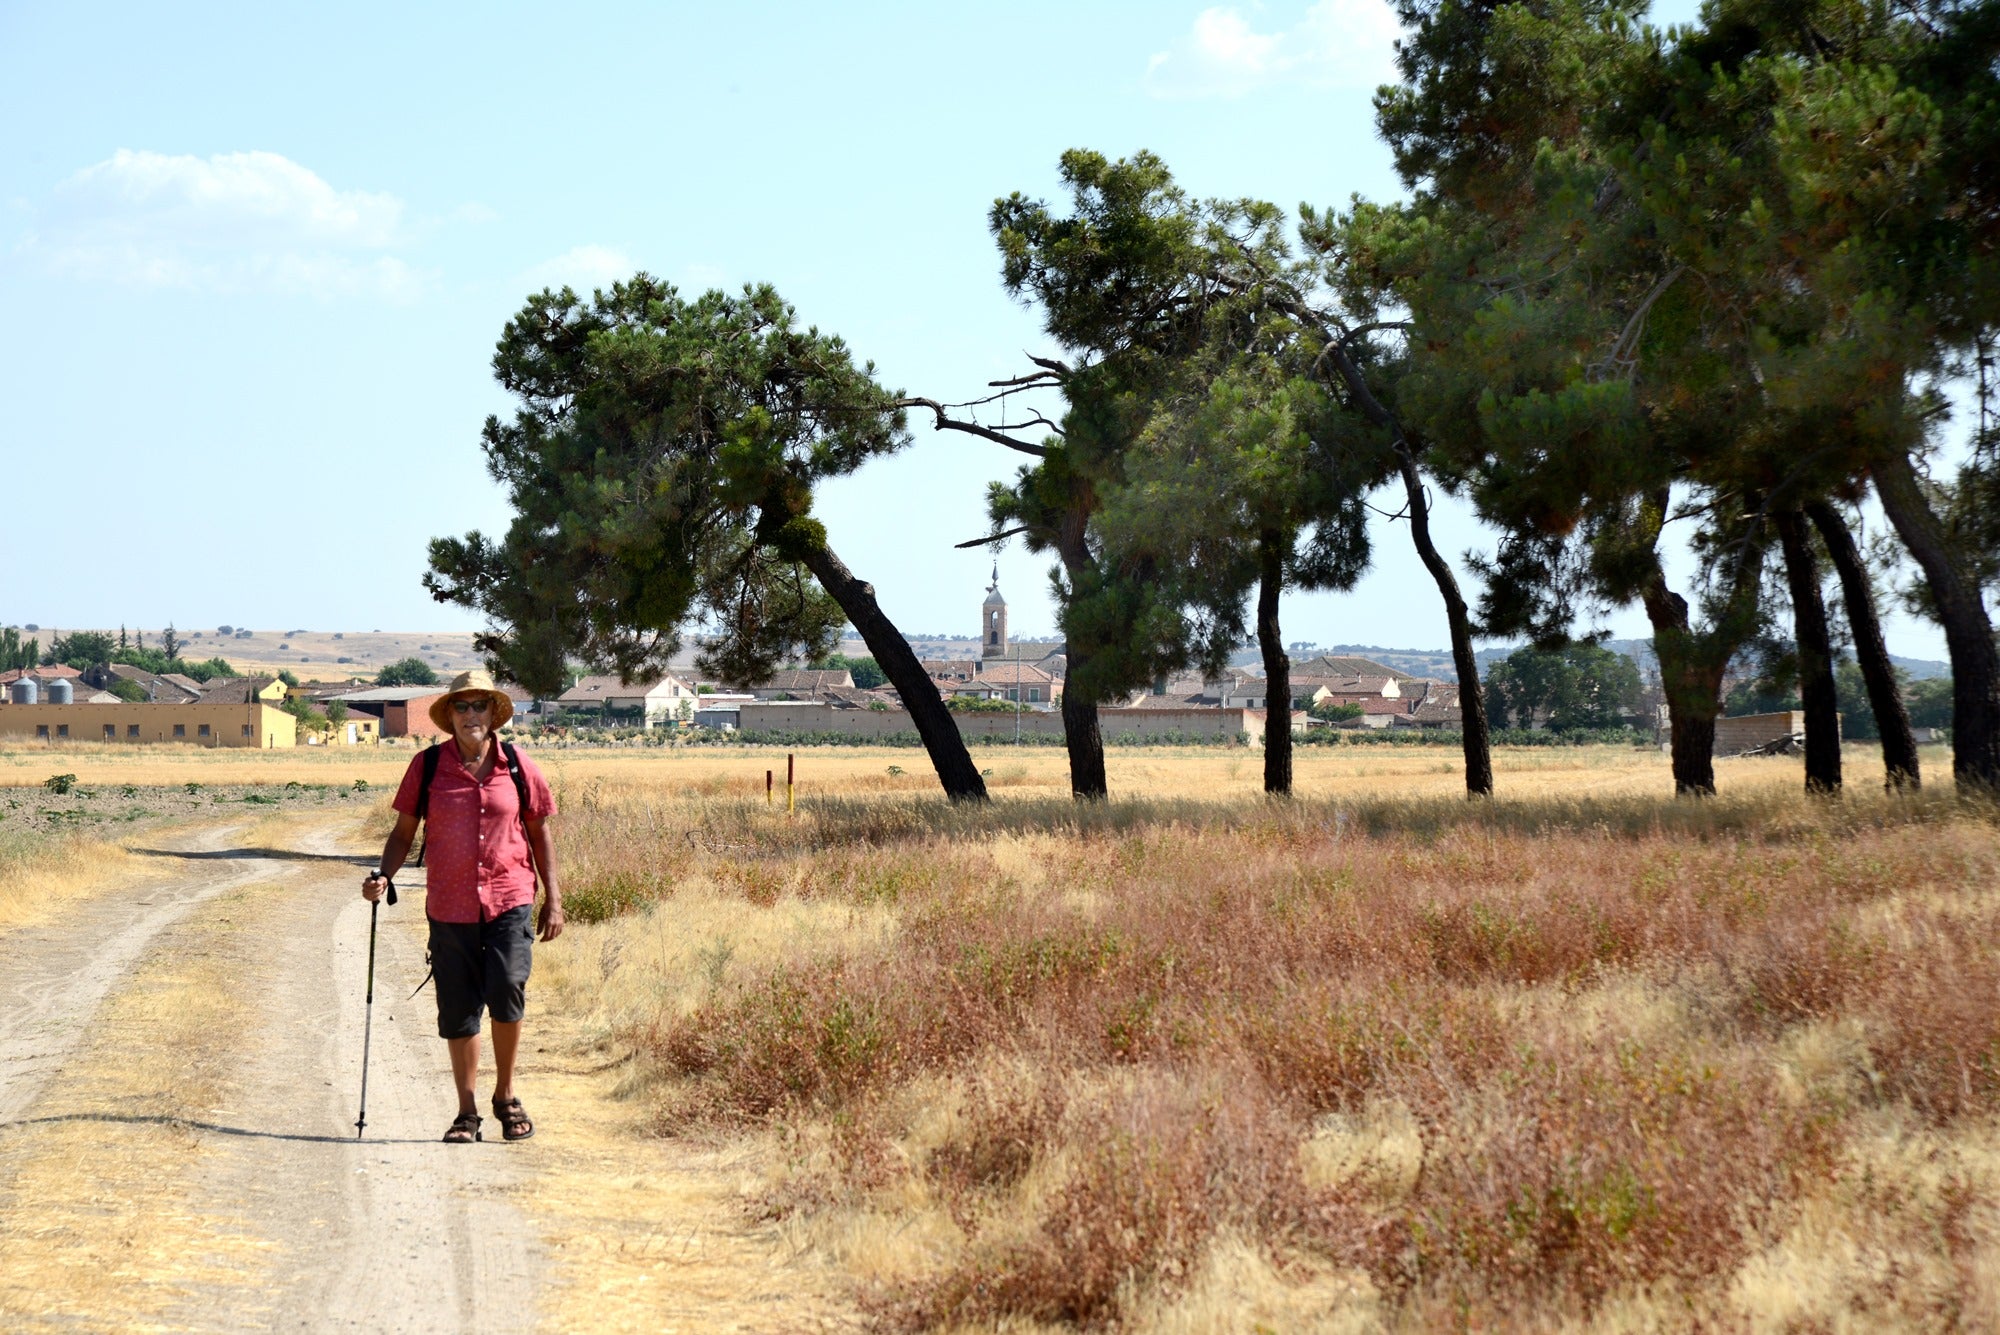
column 411, row 671
column 1718, row 281
column 661, row 468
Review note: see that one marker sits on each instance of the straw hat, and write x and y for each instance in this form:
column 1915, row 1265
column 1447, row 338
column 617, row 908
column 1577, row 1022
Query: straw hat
column 474, row 682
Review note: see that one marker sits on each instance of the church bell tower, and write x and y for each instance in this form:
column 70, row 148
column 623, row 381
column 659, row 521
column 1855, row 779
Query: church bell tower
column 993, row 620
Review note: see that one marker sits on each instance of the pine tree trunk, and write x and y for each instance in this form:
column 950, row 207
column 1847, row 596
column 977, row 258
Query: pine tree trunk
column 1277, row 667
column 1471, row 702
column 1892, row 719
column 1083, row 736
column 1975, row 662
column 1815, row 649
column 898, row 661
column 1692, row 692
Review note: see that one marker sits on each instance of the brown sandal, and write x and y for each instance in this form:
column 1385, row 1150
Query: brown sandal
column 464, row 1129
column 514, row 1123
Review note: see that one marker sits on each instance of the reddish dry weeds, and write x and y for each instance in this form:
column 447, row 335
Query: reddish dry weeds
column 1283, row 971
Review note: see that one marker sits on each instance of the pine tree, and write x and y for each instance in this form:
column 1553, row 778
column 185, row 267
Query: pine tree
column 661, row 467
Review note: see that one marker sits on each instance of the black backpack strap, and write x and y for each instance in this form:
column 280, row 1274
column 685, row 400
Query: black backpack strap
column 432, row 755
column 520, row 777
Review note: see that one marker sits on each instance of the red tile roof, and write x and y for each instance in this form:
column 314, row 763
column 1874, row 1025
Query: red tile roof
column 49, row 673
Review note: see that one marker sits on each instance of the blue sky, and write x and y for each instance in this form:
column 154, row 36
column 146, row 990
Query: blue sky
column 256, row 257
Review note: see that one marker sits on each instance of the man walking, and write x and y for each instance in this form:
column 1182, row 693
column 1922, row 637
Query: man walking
column 487, row 808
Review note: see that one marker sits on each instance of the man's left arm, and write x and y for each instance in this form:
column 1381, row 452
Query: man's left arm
column 544, row 849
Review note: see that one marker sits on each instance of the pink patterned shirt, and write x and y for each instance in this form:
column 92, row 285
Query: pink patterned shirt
column 476, row 857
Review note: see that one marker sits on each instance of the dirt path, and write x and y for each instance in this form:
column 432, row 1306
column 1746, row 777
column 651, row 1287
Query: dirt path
column 177, row 1150
column 320, row 1231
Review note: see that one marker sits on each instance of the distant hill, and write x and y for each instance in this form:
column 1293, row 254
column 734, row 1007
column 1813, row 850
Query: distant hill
column 320, row 655
column 1437, row 662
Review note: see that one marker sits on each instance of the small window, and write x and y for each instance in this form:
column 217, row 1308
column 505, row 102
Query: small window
column 1034, row 695
column 111, row 732
column 62, row 729
column 248, row 730
column 201, row 730
column 132, row 731
column 42, row 730
column 180, row 729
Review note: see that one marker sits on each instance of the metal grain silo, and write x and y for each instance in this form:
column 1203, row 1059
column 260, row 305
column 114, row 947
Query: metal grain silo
column 24, row 691
column 61, row 692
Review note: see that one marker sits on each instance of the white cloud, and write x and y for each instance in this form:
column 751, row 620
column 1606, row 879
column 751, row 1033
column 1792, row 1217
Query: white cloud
column 1335, row 44
column 584, row 268
column 233, row 222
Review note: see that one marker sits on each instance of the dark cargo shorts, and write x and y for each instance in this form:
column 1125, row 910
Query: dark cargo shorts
column 482, row 966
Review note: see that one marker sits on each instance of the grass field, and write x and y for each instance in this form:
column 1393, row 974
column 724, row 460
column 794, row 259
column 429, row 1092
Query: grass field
column 1191, row 1060
column 1218, row 773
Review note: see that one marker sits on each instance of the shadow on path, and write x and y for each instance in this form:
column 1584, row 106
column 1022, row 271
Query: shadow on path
column 132, row 1119
column 275, row 854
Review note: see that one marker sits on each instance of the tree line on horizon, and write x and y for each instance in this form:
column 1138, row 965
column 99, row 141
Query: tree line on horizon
column 1720, row 276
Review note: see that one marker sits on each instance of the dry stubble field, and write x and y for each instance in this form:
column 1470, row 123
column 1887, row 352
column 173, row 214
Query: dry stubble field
column 1376, row 1057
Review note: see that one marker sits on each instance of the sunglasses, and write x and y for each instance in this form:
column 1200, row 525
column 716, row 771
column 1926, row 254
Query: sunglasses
column 470, row 706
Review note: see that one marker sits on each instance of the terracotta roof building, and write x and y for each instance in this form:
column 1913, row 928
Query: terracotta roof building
column 163, row 690
column 804, row 683
column 1345, row 665
column 647, row 702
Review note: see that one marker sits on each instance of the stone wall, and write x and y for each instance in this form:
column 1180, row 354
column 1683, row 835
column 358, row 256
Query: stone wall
column 1735, row 735
column 1145, row 724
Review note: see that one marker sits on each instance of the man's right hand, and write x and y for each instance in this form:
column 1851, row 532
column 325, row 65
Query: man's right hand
column 374, row 887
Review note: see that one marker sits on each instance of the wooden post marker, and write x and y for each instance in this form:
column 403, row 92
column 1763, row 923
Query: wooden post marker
column 767, row 788
column 788, row 781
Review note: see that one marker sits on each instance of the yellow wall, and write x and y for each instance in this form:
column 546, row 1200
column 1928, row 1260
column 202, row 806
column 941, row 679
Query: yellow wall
column 268, row 728
column 366, row 731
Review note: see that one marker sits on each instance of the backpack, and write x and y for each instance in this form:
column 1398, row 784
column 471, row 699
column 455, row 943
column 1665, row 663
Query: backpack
column 435, row 753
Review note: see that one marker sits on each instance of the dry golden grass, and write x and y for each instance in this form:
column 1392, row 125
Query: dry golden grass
column 39, row 875
column 107, row 1168
column 646, row 1234
column 1218, row 773
column 55, row 850
column 1194, row 1061
column 29, row 764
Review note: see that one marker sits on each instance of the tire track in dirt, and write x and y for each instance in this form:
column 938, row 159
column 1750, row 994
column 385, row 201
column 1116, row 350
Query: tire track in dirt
column 393, row 1233
column 58, row 973
column 287, row 1220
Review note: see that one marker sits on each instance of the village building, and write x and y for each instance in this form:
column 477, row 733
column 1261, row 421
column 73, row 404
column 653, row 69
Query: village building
column 255, row 725
column 951, row 669
column 1021, row 683
column 244, row 690
column 46, row 674
column 398, row 711
column 158, row 687
column 1346, row 665
column 804, row 684
column 644, row 703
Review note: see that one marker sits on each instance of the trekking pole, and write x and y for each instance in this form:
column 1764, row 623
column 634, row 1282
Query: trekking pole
column 368, row 1022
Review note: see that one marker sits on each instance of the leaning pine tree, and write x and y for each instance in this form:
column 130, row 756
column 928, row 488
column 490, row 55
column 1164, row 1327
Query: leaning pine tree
column 661, row 468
